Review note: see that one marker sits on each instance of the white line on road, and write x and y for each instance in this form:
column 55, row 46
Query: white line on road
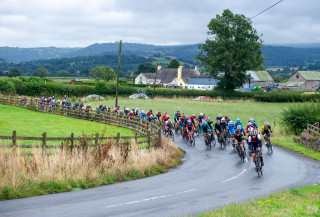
column 243, row 171
column 151, row 198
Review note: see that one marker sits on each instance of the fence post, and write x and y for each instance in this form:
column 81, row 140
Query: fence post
column 136, row 138
column 118, row 138
column 44, row 142
column 96, row 139
column 14, row 139
column 71, row 141
column 159, row 137
column 149, row 139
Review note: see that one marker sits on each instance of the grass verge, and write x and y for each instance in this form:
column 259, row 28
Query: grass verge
column 62, row 172
column 304, row 201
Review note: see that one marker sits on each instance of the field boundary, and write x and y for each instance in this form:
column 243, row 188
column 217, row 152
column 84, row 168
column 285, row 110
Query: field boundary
column 149, row 131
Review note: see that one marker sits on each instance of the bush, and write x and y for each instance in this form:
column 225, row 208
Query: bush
column 7, row 87
column 296, row 118
column 285, row 96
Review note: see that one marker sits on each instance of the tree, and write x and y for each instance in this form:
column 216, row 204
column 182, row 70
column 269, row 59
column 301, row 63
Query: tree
column 14, row 72
column 174, row 64
column 2, row 73
column 103, row 72
column 234, row 49
column 41, row 72
column 146, row 68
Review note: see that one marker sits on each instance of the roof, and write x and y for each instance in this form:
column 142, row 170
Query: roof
column 149, row 75
column 167, row 75
column 77, row 79
column 260, row 75
column 293, row 84
column 310, row 75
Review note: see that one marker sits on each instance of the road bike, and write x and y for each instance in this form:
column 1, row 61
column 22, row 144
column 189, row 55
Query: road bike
column 221, row 140
column 241, row 153
column 197, row 130
column 258, row 164
column 213, row 140
column 191, row 138
column 268, row 144
column 170, row 133
column 177, row 127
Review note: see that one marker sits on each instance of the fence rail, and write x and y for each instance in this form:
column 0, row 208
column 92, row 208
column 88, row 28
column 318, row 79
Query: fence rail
column 147, row 130
column 314, row 129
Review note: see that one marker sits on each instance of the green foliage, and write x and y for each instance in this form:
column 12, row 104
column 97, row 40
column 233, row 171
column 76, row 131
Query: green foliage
column 14, row 72
column 174, row 64
column 7, row 87
column 285, row 96
column 296, row 118
column 41, row 72
column 236, row 48
column 145, row 68
column 103, row 72
column 103, row 88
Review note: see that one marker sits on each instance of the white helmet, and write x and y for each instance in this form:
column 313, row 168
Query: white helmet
column 230, row 122
column 266, row 123
column 142, row 112
column 219, row 115
column 201, row 114
column 222, row 119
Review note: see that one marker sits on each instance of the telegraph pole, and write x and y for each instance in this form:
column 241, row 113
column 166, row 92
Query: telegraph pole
column 118, row 73
column 154, row 83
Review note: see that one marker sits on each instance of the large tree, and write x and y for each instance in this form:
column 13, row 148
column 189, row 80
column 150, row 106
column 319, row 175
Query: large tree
column 174, row 64
column 234, row 48
column 103, row 72
column 146, row 68
column 14, row 72
column 41, row 72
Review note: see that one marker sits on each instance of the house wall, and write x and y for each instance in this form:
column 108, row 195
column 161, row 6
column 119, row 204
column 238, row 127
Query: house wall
column 312, row 85
column 200, row 87
column 140, row 79
column 296, row 77
column 262, row 83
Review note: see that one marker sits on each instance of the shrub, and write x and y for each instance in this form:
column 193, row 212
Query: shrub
column 7, row 87
column 296, row 118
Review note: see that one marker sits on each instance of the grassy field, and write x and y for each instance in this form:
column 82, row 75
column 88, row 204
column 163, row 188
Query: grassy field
column 304, row 201
column 31, row 123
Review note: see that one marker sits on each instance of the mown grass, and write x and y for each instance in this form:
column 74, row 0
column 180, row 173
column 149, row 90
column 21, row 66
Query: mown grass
column 33, row 124
column 304, row 201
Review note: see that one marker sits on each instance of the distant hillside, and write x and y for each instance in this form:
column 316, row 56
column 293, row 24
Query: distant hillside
column 275, row 55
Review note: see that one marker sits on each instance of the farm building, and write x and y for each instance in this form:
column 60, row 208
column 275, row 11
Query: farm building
column 259, row 78
column 293, row 85
column 310, row 78
column 146, row 78
column 168, row 77
column 202, row 82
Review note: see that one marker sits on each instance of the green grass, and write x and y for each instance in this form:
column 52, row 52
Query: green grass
column 32, row 123
column 304, row 201
column 297, row 147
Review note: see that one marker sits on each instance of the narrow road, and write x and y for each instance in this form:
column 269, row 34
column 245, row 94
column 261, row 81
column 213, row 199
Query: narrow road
column 205, row 181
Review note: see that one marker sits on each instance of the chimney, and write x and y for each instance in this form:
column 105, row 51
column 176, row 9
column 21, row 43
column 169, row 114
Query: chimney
column 159, row 67
column 180, row 72
column 196, row 68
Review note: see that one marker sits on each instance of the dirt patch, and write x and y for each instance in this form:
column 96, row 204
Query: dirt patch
column 313, row 195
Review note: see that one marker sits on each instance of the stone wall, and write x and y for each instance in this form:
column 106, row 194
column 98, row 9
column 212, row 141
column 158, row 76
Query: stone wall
column 310, row 141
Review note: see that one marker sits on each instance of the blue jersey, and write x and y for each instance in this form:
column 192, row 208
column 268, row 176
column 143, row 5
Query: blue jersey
column 205, row 128
column 143, row 116
column 238, row 123
column 231, row 128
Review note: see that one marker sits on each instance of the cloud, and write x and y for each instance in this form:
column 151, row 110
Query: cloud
column 69, row 23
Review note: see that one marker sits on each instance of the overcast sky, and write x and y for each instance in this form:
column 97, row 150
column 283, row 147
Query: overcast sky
column 79, row 23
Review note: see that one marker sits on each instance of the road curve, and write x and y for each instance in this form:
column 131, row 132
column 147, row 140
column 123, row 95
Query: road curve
column 205, row 181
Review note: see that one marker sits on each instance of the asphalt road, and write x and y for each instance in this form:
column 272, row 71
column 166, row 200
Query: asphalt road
column 205, row 181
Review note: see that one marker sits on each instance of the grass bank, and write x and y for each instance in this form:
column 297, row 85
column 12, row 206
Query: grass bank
column 304, row 201
column 33, row 124
column 23, row 176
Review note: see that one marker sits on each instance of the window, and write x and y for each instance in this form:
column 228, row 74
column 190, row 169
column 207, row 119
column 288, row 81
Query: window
column 297, row 76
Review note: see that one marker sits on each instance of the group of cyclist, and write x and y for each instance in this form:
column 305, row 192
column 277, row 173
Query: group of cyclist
column 223, row 128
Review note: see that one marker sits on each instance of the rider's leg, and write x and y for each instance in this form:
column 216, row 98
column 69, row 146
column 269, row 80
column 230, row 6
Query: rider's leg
column 261, row 157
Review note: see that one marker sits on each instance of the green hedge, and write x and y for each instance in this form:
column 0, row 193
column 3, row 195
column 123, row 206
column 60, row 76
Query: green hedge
column 286, row 96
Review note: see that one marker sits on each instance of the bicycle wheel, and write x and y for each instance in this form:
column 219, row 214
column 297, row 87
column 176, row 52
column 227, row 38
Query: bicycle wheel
column 172, row 136
column 193, row 141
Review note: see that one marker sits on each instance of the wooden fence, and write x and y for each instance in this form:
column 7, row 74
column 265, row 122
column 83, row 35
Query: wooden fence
column 314, row 129
column 147, row 130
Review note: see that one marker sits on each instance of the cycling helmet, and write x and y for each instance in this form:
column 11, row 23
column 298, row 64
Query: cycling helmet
column 238, row 119
column 127, row 109
column 183, row 116
column 218, row 121
column 151, row 116
column 189, row 121
column 239, row 127
column 159, row 113
column 237, row 131
column 88, row 104
column 208, row 119
column 169, row 121
column 167, row 115
column 219, row 116
column 226, row 117
column 142, row 112
column 201, row 114
column 222, row 119
column 137, row 109
column 266, row 123
column 204, row 122
column 251, row 119
column 254, row 132
column 230, row 122
column 193, row 115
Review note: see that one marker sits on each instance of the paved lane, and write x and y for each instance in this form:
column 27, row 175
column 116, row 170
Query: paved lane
column 206, row 180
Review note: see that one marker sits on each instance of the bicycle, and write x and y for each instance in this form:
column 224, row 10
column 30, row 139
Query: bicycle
column 170, row 133
column 268, row 144
column 227, row 136
column 221, row 140
column 241, row 153
column 258, row 164
column 197, row 130
column 213, row 140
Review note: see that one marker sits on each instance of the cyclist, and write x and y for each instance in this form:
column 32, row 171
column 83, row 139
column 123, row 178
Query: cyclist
column 242, row 131
column 150, row 112
column 158, row 117
column 137, row 112
column 239, row 140
column 81, row 105
column 194, row 119
column 231, row 130
column 168, row 125
column 219, row 117
column 190, row 129
column 143, row 115
column 88, row 108
column 227, row 119
column 210, row 124
column 266, row 131
column 205, row 129
column 183, row 122
column 219, row 129
column 200, row 117
column 151, row 118
column 176, row 118
column 254, row 123
column 255, row 140
column 238, row 122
